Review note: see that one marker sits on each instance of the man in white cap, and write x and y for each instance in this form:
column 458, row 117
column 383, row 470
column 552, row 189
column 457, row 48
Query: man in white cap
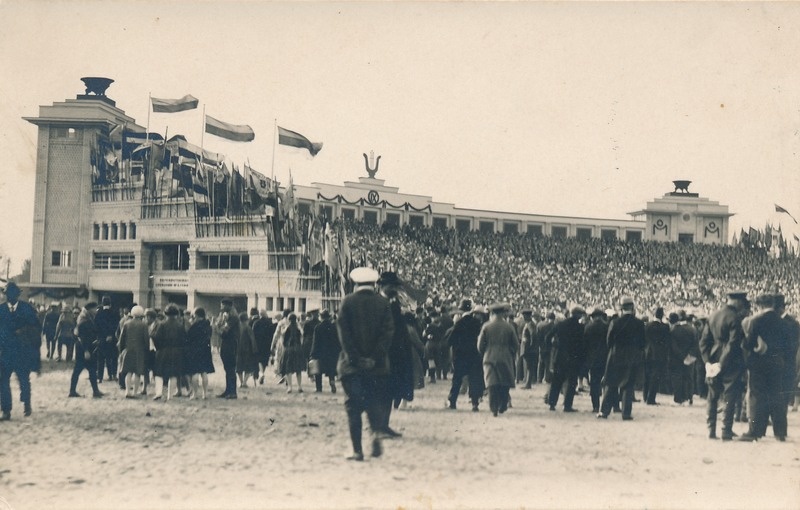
column 365, row 331
column 625, row 356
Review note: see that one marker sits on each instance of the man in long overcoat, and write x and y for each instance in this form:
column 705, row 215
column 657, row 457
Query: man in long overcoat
column 498, row 344
column 721, row 350
column 569, row 350
column 656, row 351
column 625, row 357
column 463, row 341
column 20, row 343
column 365, row 331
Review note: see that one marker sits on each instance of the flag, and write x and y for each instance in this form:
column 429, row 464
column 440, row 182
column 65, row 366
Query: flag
column 261, row 184
column 780, row 209
column 199, row 186
column 187, row 102
column 232, row 132
column 316, row 242
column 292, row 139
column 235, row 193
column 331, row 243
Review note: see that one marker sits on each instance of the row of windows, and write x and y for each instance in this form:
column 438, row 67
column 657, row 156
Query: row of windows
column 114, row 261
column 114, row 231
column 223, row 261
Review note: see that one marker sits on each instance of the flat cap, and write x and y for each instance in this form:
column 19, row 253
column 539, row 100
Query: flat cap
column 364, row 275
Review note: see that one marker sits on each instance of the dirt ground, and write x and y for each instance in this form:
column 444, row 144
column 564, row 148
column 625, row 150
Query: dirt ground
column 270, row 449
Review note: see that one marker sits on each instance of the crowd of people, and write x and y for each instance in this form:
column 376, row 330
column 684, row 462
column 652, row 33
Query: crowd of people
column 491, row 311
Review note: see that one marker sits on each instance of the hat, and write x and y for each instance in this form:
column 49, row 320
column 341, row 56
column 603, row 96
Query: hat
column 12, row 290
column 54, row 303
column 577, row 310
column 150, row 312
column 227, row 301
column 389, row 278
column 466, row 305
column 499, row 307
column 527, row 311
column 91, row 305
column 597, row 312
column 171, row 310
column 479, row 309
column 626, row 301
column 738, row 294
column 137, row 311
column 324, row 314
column 313, row 310
column 780, row 301
column 106, row 301
column 364, row 275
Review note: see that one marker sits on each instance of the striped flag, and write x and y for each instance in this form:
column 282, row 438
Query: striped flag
column 187, row 102
column 293, row 139
column 782, row 210
column 236, row 133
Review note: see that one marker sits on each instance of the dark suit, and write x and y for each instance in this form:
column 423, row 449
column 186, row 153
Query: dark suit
column 230, row 331
column 625, row 356
column 544, row 331
column 107, row 353
column 722, row 343
column 656, row 335
column 20, row 342
column 568, row 352
column 463, row 340
column 766, row 373
column 366, row 329
column 85, row 347
column 682, row 342
column 594, row 337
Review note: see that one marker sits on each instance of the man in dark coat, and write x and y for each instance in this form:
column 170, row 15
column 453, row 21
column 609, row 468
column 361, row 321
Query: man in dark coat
column 262, row 333
column 683, row 347
column 625, row 356
column 365, row 329
column 49, row 326
column 169, row 339
column 107, row 322
column 656, row 350
column 86, row 345
column 401, row 370
column 766, row 347
column 325, row 348
column 594, row 338
column 20, row 343
column 792, row 343
column 529, row 348
column 230, row 331
column 467, row 362
column 544, row 330
column 568, row 351
column 311, row 323
column 721, row 350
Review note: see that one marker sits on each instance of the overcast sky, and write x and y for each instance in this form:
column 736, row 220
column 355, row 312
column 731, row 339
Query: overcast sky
column 566, row 109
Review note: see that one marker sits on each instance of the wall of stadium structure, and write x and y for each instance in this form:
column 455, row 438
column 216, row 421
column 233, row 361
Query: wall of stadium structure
column 101, row 227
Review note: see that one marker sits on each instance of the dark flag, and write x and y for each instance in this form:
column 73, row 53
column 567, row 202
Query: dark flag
column 780, row 209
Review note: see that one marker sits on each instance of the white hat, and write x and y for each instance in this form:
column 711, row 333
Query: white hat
column 364, row 275
column 137, row 311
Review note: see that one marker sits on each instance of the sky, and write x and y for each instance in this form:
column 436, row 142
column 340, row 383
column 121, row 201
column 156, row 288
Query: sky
column 578, row 109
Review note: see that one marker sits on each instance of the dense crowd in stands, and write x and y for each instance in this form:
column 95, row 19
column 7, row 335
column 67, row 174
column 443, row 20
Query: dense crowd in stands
column 545, row 272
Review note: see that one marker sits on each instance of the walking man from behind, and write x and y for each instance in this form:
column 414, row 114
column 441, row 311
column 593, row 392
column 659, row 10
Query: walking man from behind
column 365, row 331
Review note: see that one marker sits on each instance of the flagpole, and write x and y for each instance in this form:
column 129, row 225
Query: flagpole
column 203, row 131
column 149, row 107
column 274, row 148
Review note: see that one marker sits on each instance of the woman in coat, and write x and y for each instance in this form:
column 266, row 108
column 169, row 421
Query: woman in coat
column 498, row 344
column 246, row 361
column 198, row 353
column 325, row 348
column 169, row 338
column 65, row 331
column 292, row 360
column 134, row 343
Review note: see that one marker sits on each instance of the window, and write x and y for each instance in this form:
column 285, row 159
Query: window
column 222, row 261
column 114, row 231
column 633, row 235
column 684, row 238
column 304, row 209
column 114, row 261
column 558, row 232
column 61, row 258
column 392, row 218
column 105, row 232
column 583, row 233
column 416, row 220
column 535, row 230
column 132, row 231
column 440, row 222
column 301, row 305
column 487, row 227
column 349, row 214
column 608, row 235
column 65, row 132
column 96, row 232
column 510, row 227
column 371, row 217
column 123, row 231
column 280, row 303
column 326, row 211
column 463, row 225
column 175, row 257
column 270, row 303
